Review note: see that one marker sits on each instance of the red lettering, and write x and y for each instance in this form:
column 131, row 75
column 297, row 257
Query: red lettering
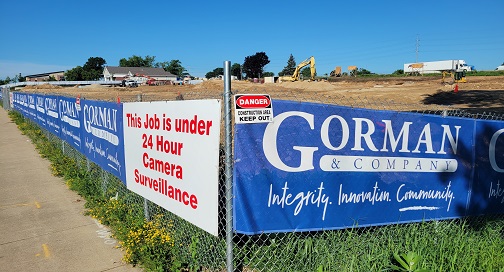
column 193, row 126
column 161, row 186
column 185, row 195
column 194, row 202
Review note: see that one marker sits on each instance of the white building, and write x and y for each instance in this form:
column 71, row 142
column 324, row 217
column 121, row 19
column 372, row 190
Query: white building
column 140, row 74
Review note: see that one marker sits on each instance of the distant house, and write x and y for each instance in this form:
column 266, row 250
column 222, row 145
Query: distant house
column 140, row 74
column 58, row 75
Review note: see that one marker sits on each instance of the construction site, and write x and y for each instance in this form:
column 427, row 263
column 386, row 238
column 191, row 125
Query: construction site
column 478, row 94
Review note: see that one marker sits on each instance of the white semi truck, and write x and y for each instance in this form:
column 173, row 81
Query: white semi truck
column 430, row 67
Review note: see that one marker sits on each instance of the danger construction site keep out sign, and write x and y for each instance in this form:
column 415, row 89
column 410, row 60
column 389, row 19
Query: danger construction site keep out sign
column 253, row 108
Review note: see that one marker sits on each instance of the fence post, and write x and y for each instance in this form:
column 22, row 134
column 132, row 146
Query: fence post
column 146, row 202
column 6, row 98
column 229, row 166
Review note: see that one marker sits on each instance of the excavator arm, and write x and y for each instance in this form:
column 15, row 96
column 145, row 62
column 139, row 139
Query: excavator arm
column 296, row 76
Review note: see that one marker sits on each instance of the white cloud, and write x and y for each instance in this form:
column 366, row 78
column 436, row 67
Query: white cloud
column 13, row 68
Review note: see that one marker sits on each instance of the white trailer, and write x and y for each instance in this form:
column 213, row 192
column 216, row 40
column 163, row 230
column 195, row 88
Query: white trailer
column 430, row 67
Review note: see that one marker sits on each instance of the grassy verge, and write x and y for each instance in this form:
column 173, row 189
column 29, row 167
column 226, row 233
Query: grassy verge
column 165, row 243
column 474, row 244
column 146, row 243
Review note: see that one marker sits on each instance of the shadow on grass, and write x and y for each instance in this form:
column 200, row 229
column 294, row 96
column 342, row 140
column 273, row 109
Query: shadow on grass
column 469, row 100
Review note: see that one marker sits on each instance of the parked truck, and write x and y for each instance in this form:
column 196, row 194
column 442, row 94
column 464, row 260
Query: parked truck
column 430, row 67
column 157, row 82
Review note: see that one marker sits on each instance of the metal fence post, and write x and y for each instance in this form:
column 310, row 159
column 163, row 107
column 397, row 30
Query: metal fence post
column 228, row 170
column 146, row 202
column 6, row 98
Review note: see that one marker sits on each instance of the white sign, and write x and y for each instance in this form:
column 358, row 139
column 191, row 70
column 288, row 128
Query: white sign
column 253, row 108
column 171, row 153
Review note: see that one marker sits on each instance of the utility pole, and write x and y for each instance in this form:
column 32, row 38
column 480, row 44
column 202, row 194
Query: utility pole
column 416, row 50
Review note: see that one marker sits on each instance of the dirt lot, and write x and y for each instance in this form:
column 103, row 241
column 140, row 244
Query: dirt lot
column 479, row 94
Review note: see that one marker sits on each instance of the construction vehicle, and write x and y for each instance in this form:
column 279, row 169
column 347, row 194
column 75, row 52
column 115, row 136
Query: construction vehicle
column 457, row 76
column 150, row 80
column 129, row 83
column 352, row 70
column 156, row 82
column 455, row 69
column 336, row 72
column 441, row 66
column 297, row 73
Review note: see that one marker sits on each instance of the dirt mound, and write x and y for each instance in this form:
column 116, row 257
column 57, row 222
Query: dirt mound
column 43, row 86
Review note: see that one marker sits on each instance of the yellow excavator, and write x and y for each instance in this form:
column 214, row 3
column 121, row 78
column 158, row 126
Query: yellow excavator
column 457, row 76
column 297, row 73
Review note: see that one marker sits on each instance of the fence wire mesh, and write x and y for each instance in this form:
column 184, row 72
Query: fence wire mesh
column 353, row 249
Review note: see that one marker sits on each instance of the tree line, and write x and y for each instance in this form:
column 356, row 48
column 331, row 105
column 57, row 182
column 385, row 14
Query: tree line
column 93, row 68
column 252, row 67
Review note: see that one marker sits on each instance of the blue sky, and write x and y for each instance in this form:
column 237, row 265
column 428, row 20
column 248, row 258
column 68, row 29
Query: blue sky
column 380, row 36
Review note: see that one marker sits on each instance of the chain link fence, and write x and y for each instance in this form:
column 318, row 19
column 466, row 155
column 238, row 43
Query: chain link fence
column 353, row 249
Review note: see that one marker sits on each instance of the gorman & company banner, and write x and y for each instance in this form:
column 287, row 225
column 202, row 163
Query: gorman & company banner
column 319, row 167
column 94, row 128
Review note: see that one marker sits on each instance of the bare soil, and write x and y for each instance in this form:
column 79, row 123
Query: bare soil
column 480, row 94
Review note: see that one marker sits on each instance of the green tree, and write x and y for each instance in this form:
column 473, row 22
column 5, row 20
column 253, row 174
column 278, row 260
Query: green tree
column 398, row 72
column 20, row 78
column 7, row 80
column 236, row 70
column 362, row 71
column 137, row 61
column 75, row 74
column 253, row 66
column 93, row 68
column 268, row 74
column 215, row 73
column 306, row 72
column 290, row 68
column 174, row 66
column 94, row 63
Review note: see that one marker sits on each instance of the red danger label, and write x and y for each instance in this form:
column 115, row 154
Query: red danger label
column 253, row 101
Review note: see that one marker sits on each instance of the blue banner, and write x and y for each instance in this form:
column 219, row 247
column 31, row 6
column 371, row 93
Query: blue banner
column 321, row 167
column 102, row 135
column 487, row 194
column 52, row 114
column 20, row 103
column 40, row 111
column 70, row 121
column 32, row 111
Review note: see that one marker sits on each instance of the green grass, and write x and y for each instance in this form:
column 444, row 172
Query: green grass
column 167, row 243
column 371, row 76
column 452, row 245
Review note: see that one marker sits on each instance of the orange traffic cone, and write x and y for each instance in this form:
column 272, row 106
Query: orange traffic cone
column 456, row 88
